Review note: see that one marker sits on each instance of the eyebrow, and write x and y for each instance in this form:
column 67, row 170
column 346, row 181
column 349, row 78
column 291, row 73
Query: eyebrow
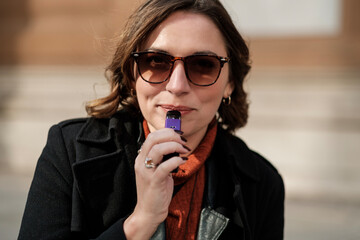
column 207, row 52
column 156, row 50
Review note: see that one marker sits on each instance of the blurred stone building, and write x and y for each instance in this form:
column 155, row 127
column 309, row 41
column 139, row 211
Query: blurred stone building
column 36, row 32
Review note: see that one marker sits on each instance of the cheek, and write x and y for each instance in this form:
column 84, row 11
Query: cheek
column 211, row 100
column 215, row 93
column 145, row 93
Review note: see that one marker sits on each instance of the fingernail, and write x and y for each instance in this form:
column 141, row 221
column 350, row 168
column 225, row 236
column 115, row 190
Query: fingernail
column 185, row 158
column 179, row 132
column 186, row 147
column 184, row 139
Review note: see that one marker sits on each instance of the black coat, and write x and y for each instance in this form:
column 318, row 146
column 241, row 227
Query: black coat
column 84, row 183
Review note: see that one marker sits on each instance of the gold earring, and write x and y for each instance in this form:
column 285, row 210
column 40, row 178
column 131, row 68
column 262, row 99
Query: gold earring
column 227, row 101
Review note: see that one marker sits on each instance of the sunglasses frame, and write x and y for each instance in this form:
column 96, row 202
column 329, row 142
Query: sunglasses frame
column 222, row 61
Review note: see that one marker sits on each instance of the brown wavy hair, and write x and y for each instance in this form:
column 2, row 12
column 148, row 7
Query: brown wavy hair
column 138, row 28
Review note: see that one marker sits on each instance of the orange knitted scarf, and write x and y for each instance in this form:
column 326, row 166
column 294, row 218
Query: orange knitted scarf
column 185, row 207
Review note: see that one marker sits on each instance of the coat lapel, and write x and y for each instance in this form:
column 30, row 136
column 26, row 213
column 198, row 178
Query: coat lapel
column 232, row 158
column 103, row 171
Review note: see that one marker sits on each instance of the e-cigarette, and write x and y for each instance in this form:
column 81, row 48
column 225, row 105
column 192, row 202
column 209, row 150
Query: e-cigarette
column 173, row 120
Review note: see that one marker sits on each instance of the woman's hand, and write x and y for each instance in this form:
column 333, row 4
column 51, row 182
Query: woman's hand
column 154, row 185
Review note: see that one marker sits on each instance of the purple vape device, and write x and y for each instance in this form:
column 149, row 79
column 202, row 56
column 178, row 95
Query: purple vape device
column 173, row 120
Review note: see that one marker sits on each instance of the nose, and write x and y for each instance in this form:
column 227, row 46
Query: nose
column 178, row 83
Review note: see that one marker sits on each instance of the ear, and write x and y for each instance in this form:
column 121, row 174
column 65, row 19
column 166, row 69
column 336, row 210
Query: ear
column 229, row 88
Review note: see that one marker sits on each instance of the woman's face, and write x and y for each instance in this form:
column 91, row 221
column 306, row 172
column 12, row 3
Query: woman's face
column 180, row 35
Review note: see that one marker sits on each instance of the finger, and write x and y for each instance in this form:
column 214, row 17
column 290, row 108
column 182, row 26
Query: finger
column 158, row 151
column 165, row 168
column 160, row 136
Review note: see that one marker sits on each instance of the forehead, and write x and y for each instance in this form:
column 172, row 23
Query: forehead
column 186, row 33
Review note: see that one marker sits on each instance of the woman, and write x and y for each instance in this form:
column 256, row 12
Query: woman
column 105, row 178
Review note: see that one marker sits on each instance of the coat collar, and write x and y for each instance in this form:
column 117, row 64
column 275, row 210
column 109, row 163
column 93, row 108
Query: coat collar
column 238, row 154
column 102, row 130
column 96, row 130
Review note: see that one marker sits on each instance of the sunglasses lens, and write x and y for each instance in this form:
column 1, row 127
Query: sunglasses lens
column 154, row 67
column 203, row 70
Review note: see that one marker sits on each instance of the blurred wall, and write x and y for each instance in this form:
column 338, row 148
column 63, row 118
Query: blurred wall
column 36, row 32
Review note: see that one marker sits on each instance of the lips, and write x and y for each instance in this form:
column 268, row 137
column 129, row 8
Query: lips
column 182, row 109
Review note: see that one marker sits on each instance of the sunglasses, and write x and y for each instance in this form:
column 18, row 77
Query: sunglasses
column 200, row 69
